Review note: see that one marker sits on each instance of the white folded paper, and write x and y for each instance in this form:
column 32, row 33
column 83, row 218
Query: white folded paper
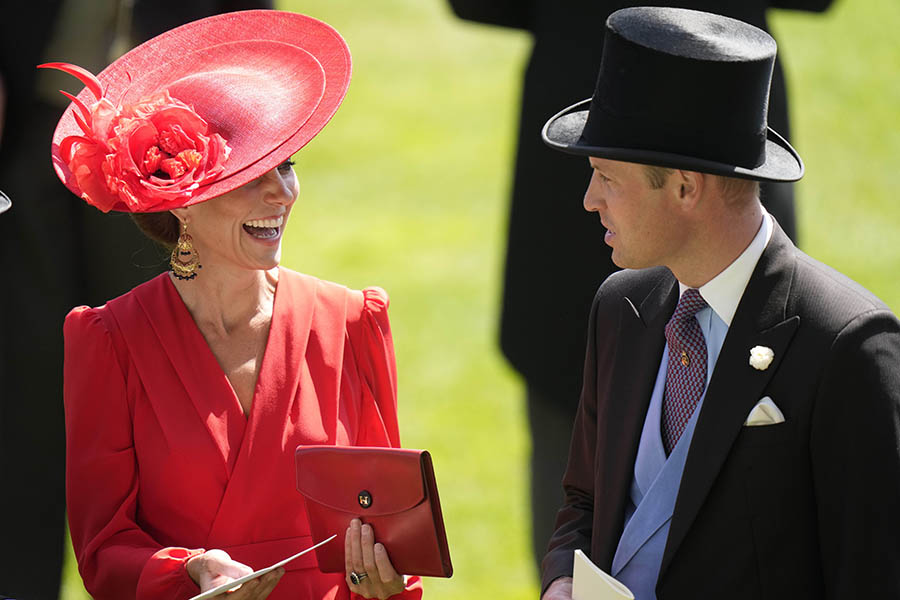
column 233, row 585
column 590, row 582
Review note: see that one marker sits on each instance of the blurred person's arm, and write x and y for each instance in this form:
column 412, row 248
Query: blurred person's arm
column 232, row 5
column 153, row 17
column 808, row 5
column 505, row 13
column 2, row 107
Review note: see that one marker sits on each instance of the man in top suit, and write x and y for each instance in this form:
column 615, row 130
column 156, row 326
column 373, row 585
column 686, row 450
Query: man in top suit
column 555, row 256
column 739, row 428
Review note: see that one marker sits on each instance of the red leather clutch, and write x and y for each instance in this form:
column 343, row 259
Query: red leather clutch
column 391, row 489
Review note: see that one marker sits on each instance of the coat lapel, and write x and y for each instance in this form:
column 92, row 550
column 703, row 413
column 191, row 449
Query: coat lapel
column 637, row 360
column 267, row 452
column 284, row 359
column 171, row 354
column 761, row 319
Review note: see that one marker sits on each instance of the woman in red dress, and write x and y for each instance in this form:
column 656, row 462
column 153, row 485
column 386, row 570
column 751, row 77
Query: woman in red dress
column 186, row 397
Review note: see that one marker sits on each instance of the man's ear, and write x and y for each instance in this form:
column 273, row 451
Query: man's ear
column 689, row 188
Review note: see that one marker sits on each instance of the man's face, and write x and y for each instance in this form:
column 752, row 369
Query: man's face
column 642, row 229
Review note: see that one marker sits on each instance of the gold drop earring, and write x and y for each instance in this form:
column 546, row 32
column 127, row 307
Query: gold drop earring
column 185, row 259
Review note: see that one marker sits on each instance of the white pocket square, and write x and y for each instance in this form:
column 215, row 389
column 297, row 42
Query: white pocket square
column 764, row 413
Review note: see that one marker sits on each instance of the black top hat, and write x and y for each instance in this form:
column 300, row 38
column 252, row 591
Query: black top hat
column 4, row 202
column 682, row 89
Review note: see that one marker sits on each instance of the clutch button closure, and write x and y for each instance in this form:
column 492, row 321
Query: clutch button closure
column 365, row 499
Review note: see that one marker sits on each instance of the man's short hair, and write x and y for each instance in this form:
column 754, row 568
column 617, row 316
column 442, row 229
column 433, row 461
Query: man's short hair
column 735, row 188
column 732, row 187
column 656, row 176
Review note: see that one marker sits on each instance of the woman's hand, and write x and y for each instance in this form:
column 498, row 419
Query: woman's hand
column 214, row 568
column 369, row 570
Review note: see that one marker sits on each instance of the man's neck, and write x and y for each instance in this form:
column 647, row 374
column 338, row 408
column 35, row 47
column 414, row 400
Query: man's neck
column 716, row 243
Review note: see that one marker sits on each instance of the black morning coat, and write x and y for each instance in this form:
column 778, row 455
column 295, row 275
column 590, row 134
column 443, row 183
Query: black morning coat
column 556, row 258
column 805, row 509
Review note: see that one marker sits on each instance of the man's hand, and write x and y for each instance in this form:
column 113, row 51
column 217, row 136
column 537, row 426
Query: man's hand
column 560, row 589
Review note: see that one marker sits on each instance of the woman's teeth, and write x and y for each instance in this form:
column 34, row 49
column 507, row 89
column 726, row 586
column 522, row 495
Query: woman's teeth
column 264, row 228
column 266, row 222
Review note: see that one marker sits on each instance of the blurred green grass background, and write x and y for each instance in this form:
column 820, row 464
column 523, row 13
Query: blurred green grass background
column 407, row 188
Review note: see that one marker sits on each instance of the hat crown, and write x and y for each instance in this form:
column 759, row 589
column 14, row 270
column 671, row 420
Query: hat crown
column 683, row 82
column 683, row 89
column 692, row 34
column 260, row 84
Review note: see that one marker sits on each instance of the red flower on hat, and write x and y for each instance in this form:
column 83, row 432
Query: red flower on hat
column 145, row 154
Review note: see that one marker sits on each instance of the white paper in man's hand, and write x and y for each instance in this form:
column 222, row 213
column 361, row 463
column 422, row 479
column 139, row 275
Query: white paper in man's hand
column 590, row 582
column 233, row 585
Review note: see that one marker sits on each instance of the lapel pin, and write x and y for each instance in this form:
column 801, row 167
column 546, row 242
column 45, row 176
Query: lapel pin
column 761, row 357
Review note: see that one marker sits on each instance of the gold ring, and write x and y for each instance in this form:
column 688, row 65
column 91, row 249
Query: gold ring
column 356, row 578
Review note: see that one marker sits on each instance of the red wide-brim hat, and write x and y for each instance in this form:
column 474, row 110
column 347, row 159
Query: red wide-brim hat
column 200, row 110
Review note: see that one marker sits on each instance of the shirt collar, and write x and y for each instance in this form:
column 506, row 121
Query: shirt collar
column 723, row 292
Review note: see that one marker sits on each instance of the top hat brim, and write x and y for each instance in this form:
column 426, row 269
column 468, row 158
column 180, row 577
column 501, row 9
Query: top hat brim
column 304, row 61
column 564, row 132
column 4, row 202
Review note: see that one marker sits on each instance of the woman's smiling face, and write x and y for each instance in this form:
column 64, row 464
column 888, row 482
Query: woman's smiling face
column 243, row 228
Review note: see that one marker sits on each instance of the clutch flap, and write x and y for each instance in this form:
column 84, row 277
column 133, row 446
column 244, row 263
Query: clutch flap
column 360, row 480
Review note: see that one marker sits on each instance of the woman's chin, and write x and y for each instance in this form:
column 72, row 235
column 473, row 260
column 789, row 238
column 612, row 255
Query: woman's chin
column 269, row 264
column 262, row 258
column 248, row 263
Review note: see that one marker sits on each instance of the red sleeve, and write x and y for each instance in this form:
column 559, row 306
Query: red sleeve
column 116, row 558
column 378, row 371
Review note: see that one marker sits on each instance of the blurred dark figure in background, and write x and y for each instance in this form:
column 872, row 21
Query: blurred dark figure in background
column 4, row 206
column 556, row 258
column 55, row 254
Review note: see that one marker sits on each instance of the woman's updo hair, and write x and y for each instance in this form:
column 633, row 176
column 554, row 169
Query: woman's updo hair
column 161, row 227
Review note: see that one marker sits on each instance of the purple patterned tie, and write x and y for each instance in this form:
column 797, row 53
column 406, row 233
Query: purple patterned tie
column 686, row 368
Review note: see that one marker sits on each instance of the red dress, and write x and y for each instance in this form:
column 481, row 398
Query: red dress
column 161, row 460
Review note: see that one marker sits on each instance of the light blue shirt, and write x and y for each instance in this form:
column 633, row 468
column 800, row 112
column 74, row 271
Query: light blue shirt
column 657, row 477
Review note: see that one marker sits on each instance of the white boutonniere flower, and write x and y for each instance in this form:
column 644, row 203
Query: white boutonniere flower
column 761, row 357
